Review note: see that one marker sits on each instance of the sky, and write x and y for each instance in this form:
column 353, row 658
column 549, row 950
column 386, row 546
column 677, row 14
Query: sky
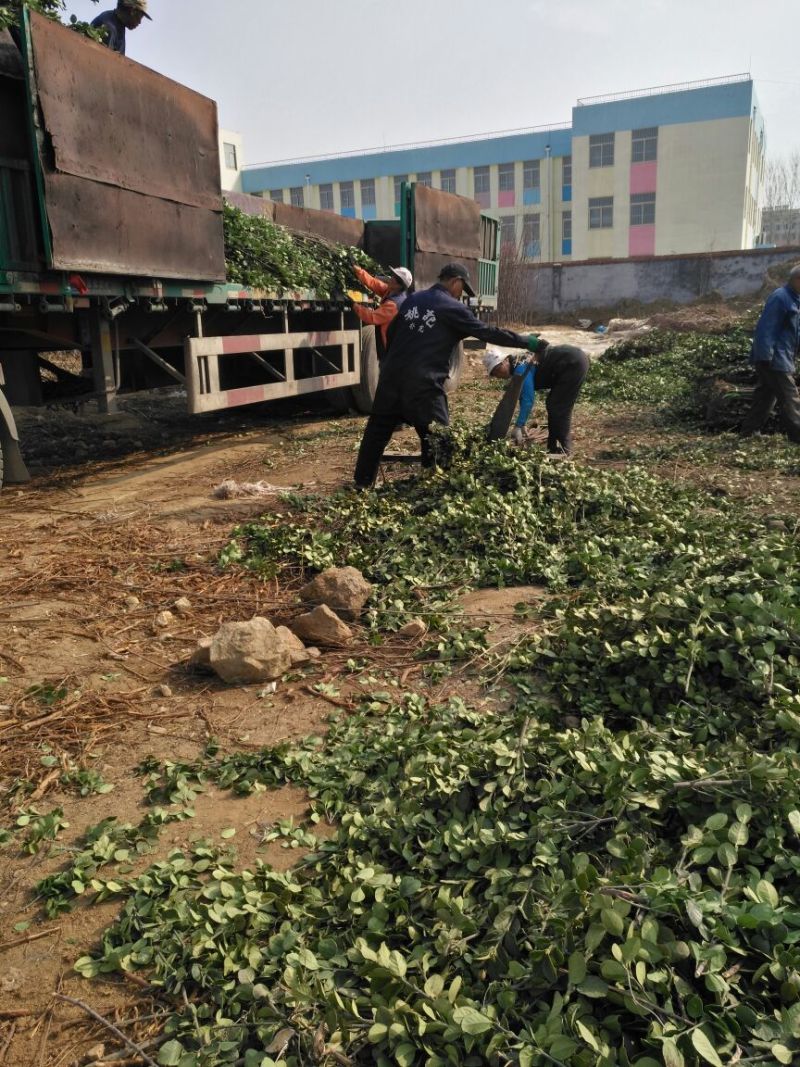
column 303, row 78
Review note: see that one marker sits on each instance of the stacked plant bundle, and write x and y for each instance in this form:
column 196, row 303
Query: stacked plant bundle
column 263, row 255
column 697, row 378
column 605, row 874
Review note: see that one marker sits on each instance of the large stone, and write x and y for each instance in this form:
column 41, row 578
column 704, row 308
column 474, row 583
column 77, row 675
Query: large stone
column 344, row 590
column 242, row 653
column 201, row 657
column 297, row 650
column 322, row 627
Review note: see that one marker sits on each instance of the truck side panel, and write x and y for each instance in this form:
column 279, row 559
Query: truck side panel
column 125, row 153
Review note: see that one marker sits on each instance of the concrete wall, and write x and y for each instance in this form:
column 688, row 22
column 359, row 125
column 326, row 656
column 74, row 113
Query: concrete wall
column 571, row 287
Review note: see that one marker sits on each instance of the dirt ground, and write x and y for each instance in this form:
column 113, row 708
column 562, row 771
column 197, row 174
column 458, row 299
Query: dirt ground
column 119, row 522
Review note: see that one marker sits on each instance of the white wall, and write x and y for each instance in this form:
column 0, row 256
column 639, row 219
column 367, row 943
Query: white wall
column 230, row 179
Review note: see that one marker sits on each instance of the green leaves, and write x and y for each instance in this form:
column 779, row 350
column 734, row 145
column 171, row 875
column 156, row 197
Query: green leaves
column 265, row 256
column 602, row 868
column 704, row 1048
column 471, row 1020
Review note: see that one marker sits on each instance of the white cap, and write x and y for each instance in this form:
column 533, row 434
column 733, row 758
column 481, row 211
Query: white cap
column 493, row 358
column 403, row 275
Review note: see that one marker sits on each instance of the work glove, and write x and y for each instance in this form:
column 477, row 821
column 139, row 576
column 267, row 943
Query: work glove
column 537, row 344
column 518, row 435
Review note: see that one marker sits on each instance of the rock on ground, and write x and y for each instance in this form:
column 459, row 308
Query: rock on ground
column 413, row 630
column 242, row 653
column 322, row 627
column 344, row 590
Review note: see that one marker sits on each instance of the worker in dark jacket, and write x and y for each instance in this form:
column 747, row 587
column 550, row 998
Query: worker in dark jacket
column 562, row 370
column 775, row 346
column 127, row 16
column 412, row 379
column 392, row 293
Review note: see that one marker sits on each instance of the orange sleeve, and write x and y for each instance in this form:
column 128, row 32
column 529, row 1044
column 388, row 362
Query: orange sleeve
column 375, row 285
column 380, row 316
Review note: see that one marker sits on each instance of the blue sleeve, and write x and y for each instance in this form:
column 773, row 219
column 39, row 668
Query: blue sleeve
column 527, row 396
column 770, row 325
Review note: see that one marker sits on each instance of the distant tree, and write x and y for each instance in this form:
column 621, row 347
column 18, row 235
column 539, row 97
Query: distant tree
column 53, row 9
column 782, row 182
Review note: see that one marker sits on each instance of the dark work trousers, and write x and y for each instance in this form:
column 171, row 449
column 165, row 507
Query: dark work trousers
column 377, row 434
column 562, row 371
column 774, row 387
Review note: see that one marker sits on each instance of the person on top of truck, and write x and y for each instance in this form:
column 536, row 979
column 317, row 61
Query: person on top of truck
column 127, row 16
column 411, row 385
column 392, row 292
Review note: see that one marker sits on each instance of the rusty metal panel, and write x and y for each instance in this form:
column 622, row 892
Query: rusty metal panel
column 322, row 224
column 252, row 205
column 99, row 228
column 115, row 121
column 446, row 224
column 130, row 162
column 428, row 264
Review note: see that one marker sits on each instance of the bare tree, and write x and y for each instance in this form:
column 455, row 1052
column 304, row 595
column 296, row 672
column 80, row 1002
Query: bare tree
column 782, row 182
column 518, row 280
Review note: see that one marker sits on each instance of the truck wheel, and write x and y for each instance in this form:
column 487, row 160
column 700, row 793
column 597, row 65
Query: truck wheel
column 456, row 368
column 364, row 393
column 339, row 400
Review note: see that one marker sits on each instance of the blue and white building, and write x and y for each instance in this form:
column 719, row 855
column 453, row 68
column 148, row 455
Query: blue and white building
column 674, row 169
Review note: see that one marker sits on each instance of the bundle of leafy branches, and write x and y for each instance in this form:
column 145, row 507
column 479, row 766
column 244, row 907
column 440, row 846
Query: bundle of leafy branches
column 684, row 373
column 606, row 874
column 11, row 13
column 263, row 255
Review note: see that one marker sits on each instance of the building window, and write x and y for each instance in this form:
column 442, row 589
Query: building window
column 601, row 150
column 643, row 209
column 531, row 174
column 368, row 192
column 506, row 178
column 326, row 196
column 397, row 184
column 566, row 233
column 481, row 180
column 276, row 195
column 231, row 156
column 347, row 196
column 447, row 181
column 601, row 212
column 644, row 145
column 296, row 197
column 566, row 170
column 531, row 235
column 425, row 178
column 508, row 233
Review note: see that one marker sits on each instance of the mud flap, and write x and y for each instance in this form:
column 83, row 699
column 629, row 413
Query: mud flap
column 14, row 471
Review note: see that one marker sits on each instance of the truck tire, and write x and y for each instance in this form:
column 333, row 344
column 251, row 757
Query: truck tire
column 456, row 368
column 364, row 393
column 339, row 400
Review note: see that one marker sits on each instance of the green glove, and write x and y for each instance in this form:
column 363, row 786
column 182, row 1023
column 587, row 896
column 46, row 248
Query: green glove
column 533, row 342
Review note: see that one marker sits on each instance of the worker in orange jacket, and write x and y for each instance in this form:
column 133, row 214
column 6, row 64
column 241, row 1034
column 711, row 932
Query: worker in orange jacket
column 392, row 292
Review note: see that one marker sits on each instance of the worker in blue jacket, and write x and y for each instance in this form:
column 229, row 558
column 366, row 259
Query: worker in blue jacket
column 493, row 362
column 411, row 386
column 774, row 351
column 560, row 370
